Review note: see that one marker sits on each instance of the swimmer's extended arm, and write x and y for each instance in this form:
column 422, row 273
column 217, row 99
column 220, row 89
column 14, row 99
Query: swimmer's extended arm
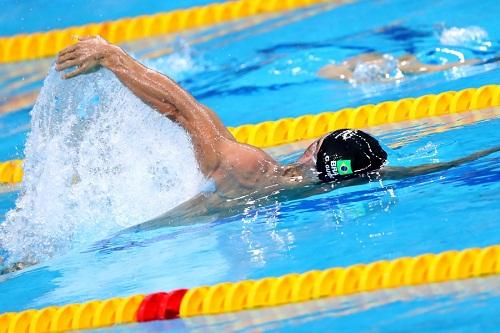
column 404, row 172
column 335, row 72
column 410, row 64
column 155, row 89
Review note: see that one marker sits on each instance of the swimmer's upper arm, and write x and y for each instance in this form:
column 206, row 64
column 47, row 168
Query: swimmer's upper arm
column 410, row 64
column 168, row 98
column 223, row 131
column 335, row 72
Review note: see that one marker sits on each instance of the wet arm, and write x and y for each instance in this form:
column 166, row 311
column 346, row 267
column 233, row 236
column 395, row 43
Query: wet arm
column 404, row 172
column 410, row 64
column 162, row 93
column 344, row 70
column 335, row 72
column 155, row 89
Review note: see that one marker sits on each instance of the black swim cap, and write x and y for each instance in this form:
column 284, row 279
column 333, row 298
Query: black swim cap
column 346, row 154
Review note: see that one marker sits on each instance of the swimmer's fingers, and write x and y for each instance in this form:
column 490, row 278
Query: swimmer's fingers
column 72, row 48
column 80, row 70
column 65, row 57
column 69, row 49
column 60, row 66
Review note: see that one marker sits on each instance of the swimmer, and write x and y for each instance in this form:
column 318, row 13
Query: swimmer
column 370, row 67
column 240, row 172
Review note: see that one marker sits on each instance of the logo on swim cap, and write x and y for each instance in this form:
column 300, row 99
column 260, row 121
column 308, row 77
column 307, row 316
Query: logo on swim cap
column 344, row 167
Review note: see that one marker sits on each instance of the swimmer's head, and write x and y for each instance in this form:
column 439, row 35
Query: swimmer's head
column 344, row 154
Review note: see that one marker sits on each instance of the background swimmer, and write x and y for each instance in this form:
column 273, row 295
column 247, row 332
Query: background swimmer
column 375, row 67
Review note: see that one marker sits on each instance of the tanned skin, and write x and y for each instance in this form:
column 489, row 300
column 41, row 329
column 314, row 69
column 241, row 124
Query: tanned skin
column 242, row 173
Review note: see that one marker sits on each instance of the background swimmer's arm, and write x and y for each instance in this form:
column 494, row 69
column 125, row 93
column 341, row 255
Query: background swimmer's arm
column 404, row 172
column 344, row 70
column 335, row 72
column 410, row 64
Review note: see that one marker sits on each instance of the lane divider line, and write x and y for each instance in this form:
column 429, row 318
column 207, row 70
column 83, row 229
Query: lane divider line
column 44, row 44
column 288, row 130
column 267, row 292
column 11, row 172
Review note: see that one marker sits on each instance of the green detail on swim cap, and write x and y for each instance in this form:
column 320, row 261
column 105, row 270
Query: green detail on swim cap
column 344, row 167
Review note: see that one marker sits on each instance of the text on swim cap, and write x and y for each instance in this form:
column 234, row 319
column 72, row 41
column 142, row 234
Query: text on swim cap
column 337, row 167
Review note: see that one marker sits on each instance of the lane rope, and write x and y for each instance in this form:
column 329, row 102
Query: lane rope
column 288, row 130
column 11, row 172
column 44, row 44
column 251, row 294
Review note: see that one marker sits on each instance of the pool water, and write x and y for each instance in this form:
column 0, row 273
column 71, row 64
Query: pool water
column 24, row 16
column 262, row 69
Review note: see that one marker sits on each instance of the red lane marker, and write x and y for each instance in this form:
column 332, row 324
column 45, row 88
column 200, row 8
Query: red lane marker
column 170, row 305
column 148, row 310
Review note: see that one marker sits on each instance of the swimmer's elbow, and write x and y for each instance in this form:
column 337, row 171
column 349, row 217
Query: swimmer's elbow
column 168, row 110
column 181, row 113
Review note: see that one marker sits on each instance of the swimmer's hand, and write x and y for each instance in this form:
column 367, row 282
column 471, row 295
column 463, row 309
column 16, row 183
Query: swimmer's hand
column 87, row 55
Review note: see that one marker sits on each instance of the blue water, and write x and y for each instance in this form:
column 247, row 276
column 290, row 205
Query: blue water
column 265, row 71
column 23, row 16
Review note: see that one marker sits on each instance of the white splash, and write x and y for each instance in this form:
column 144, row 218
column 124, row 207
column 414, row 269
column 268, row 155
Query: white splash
column 97, row 159
column 181, row 62
column 469, row 36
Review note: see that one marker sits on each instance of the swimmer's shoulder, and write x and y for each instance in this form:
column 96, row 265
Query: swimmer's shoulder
column 246, row 162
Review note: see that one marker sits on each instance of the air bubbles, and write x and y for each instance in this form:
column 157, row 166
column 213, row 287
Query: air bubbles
column 380, row 70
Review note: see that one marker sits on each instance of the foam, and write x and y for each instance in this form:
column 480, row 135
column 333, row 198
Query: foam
column 183, row 61
column 97, row 159
column 472, row 36
column 376, row 71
